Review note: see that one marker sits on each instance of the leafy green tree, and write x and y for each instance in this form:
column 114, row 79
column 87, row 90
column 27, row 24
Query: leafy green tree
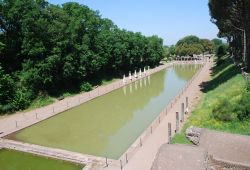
column 191, row 39
column 208, row 46
column 7, row 88
column 217, row 42
column 233, row 20
column 50, row 49
column 221, row 50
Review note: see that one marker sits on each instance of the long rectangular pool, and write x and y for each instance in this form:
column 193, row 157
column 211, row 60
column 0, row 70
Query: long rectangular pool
column 109, row 124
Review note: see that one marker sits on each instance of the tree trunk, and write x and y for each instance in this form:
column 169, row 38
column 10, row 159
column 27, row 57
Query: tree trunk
column 248, row 51
column 244, row 46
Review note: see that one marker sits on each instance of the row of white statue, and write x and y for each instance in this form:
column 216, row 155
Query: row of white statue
column 140, row 75
column 137, row 84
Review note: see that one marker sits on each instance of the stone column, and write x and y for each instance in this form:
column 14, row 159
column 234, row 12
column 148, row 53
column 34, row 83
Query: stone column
column 177, row 122
column 182, row 112
column 186, row 102
column 169, row 133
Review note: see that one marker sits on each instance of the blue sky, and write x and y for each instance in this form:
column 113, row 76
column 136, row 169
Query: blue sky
column 169, row 19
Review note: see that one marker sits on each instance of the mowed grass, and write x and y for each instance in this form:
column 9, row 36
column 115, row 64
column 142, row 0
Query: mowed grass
column 226, row 82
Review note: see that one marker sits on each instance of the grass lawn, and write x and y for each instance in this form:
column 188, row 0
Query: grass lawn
column 226, row 82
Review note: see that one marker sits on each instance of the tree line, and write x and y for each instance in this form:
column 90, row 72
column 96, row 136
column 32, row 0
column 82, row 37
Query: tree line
column 232, row 17
column 47, row 49
column 191, row 44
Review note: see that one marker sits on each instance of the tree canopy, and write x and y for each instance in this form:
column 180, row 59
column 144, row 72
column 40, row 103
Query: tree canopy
column 190, row 45
column 46, row 48
column 232, row 17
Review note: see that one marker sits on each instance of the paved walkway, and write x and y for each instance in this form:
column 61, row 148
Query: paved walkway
column 180, row 157
column 216, row 151
column 231, row 148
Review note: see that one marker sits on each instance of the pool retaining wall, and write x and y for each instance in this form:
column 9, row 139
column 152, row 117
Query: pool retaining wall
column 19, row 121
column 23, row 120
column 54, row 153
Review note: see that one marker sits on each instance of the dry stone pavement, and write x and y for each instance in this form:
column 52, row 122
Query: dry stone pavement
column 226, row 147
column 214, row 151
column 176, row 157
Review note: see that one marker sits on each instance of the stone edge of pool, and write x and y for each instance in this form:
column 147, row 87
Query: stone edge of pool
column 84, row 159
column 82, row 166
column 17, row 126
column 143, row 136
column 58, row 154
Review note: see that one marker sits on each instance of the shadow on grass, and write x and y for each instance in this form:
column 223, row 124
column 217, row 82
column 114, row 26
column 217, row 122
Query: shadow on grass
column 73, row 88
column 220, row 77
column 60, row 91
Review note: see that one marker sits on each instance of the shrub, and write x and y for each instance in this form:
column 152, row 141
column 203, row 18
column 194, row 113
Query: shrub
column 8, row 108
column 248, row 86
column 221, row 50
column 86, row 87
column 243, row 107
column 223, row 111
column 22, row 99
column 7, row 87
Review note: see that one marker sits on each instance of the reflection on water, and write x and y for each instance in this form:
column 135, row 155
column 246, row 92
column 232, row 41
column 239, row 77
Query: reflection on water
column 181, row 70
column 108, row 125
column 124, row 90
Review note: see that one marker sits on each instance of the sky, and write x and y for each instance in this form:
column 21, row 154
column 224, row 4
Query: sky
column 169, row 19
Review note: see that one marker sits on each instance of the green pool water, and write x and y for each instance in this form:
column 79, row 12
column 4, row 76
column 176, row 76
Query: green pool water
column 108, row 125
column 14, row 160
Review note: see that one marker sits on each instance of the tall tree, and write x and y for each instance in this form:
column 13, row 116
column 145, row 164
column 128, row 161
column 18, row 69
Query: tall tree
column 50, row 49
column 233, row 20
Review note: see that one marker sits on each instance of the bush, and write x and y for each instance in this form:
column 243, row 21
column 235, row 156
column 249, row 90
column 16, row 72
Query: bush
column 22, row 99
column 86, row 87
column 8, row 108
column 243, row 107
column 221, row 50
column 223, row 111
column 219, row 61
column 248, row 86
column 7, row 87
